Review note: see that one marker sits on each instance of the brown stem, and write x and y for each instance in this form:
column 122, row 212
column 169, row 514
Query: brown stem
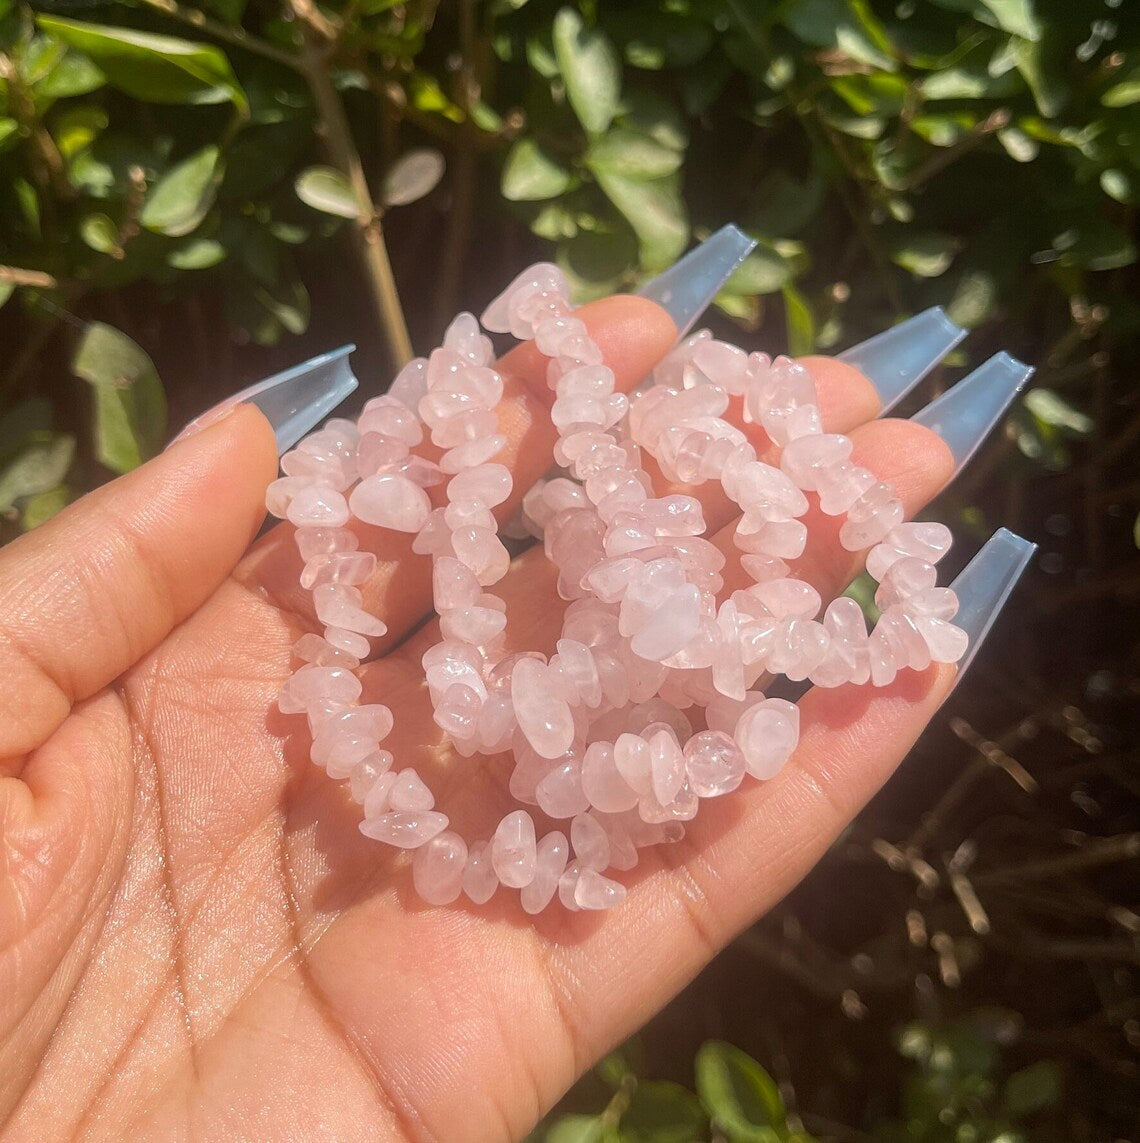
column 238, row 37
column 18, row 276
column 368, row 235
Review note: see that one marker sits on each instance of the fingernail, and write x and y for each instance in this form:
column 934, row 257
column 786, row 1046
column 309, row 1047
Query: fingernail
column 985, row 584
column 294, row 401
column 966, row 414
column 688, row 287
column 897, row 359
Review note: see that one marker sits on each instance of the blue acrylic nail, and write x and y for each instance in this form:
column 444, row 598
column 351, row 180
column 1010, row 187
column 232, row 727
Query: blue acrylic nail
column 294, row 401
column 985, row 584
column 688, row 287
column 897, row 359
column 966, row 414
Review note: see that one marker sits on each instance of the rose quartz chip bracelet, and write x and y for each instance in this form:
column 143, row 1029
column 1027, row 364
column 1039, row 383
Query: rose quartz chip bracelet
column 645, row 705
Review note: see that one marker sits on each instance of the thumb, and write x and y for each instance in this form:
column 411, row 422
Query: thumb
column 89, row 593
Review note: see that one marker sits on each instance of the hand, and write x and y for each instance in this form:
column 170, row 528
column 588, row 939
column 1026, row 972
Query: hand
column 195, row 939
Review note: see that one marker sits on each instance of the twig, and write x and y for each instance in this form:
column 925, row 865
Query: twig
column 1104, row 851
column 238, row 37
column 18, row 276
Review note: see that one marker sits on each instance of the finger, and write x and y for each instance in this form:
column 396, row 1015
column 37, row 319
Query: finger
column 91, row 591
column 633, row 335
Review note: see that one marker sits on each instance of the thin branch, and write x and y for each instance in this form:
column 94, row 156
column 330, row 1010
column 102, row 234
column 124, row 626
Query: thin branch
column 238, row 37
column 1122, row 847
column 18, row 276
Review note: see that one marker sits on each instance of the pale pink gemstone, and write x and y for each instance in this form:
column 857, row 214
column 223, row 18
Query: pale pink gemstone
column 559, row 794
column 550, row 333
column 544, row 719
column 806, row 420
column 410, row 383
column 765, row 492
column 328, row 469
column 787, row 598
column 378, row 453
column 339, row 753
column 469, row 514
column 604, row 787
column 458, row 711
column 578, row 665
column 589, row 380
column 805, row 458
column 390, row 500
column 317, row 506
column 764, row 568
column 784, row 539
column 657, row 713
column 376, row 798
column 453, row 584
column 465, row 337
column 927, row 540
column 846, row 660
column 372, row 719
column 674, row 516
column 496, row 724
column 567, row 883
column 671, row 627
column 530, row 769
column 625, row 498
column 453, row 662
column 478, row 450
column 650, row 587
column 723, row 713
column 338, row 605
column 767, row 734
column 728, row 666
column 799, row 647
column 714, row 764
column 409, row 792
column 590, row 841
column 544, row 277
column 279, row 495
column 634, row 763
column 434, row 538
column 905, row 579
column 871, row 518
column 351, row 642
column 719, row 362
column 884, row 667
column 593, row 891
column 669, row 371
column 483, row 552
column 338, row 567
column 405, row 830
column 908, row 647
column 623, row 853
column 324, row 541
column 550, row 863
column 946, row 643
column 437, row 868
column 489, row 483
column 841, row 486
column 312, row 685
column 613, row 677
column 479, row 877
column 513, row 850
column 367, row 772
column 477, row 625
column 666, row 763
column 390, row 417
column 682, row 808
column 311, row 648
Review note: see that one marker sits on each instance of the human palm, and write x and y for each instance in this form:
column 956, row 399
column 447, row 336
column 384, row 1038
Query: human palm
column 195, row 939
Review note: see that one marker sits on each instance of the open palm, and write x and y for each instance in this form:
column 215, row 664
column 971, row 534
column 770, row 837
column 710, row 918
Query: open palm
column 195, row 939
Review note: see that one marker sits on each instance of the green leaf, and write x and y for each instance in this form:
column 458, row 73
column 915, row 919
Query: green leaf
column 531, row 175
column 9, row 128
column 77, row 127
column 1049, row 92
column 656, row 212
column 1019, row 146
column 43, row 506
column 924, row 255
column 1032, row 1089
column 739, row 1094
column 847, row 26
column 1095, row 244
column 575, row 1129
column 197, row 254
column 1015, row 16
column 590, row 69
column 130, row 405
column 39, row 467
column 635, row 155
column 1053, row 409
column 1118, row 184
column 328, row 190
column 1124, row 93
column 74, row 74
column 100, row 233
column 180, row 199
column 6, row 290
column 800, row 322
column 412, row 176
column 158, row 69
column 975, row 298
column 764, row 271
column 663, row 1112
column 597, row 264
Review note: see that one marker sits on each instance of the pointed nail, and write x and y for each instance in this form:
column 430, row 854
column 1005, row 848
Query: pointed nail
column 897, row 359
column 294, row 401
column 688, row 287
column 966, row 414
column 985, row 584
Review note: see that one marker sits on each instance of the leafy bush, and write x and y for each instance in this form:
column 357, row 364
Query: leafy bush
column 977, row 152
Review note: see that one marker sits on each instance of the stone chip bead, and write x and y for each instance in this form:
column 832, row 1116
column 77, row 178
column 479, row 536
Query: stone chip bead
column 438, row 868
column 514, row 852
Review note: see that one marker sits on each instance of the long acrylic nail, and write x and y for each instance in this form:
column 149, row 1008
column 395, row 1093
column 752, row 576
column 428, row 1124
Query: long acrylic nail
column 294, row 401
column 985, row 584
column 688, row 287
column 897, row 359
column 966, row 414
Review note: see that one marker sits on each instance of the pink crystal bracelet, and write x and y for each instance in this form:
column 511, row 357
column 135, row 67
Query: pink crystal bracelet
column 645, row 706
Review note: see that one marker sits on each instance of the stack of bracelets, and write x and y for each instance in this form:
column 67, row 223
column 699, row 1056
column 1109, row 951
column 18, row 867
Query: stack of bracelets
column 645, row 705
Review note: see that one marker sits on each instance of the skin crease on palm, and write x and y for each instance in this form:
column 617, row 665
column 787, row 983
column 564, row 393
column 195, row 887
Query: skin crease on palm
column 195, row 940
